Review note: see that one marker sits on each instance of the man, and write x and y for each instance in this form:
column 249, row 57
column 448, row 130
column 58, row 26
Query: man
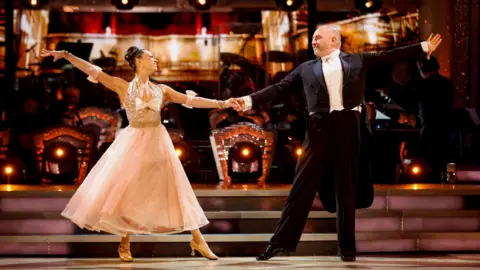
column 333, row 85
column 435, row 100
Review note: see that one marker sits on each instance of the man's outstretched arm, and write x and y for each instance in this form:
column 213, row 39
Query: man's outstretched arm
column 285, row 86
column 407, row 52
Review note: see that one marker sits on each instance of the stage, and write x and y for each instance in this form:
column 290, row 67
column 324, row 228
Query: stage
column 403, row 218
column 453, row 262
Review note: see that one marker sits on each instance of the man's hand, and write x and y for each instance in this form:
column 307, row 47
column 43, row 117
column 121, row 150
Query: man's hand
column 241, row 104
column 233, row 103
column 433, row 42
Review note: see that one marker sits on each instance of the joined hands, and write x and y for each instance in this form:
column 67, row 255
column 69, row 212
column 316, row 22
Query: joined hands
column 235, row 103
column 238, row 104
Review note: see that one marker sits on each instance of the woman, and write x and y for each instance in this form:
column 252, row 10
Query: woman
column 139, row 185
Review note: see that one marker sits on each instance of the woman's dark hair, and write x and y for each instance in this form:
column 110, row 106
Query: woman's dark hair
column 132, row 53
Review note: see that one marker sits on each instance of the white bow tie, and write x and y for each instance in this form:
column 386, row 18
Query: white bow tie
column 153, row 104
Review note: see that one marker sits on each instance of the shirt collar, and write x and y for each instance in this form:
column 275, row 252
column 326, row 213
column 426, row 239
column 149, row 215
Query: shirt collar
column 332, row 55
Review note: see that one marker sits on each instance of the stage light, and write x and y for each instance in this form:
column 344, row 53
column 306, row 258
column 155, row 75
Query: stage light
column 13, row 171
column 60, row 163
column 35, row 4
column 289, row 5
column 245, row 162
column 8, row 170
column 59, row 152
column 369, row 6
column 412, row 171
column 182, row 150
column 124, row 4
column 299, row 152
column 415, row 169
column 202, row 4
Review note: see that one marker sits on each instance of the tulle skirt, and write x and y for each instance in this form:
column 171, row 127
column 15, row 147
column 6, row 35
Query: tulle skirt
column 138, row 186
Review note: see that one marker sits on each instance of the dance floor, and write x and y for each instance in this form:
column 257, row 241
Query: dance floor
column 317, row 262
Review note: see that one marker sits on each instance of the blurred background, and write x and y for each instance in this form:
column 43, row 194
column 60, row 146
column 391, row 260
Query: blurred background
column 55, row 124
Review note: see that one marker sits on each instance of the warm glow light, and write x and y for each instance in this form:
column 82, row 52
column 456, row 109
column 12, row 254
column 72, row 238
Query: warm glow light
column 125, row 2
column 369, row 4
column 289, row 3
column 9, row 188
column 371, row 29
column 245, row 152
column 59, row 152
column 416, row 170
column 179, row 152
column 202, row 2
column 8, row 170
column 33, row 2
column 174, row 48
column 299, row 151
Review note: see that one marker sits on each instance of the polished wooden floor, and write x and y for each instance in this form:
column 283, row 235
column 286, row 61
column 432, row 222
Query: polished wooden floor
column 315, row 262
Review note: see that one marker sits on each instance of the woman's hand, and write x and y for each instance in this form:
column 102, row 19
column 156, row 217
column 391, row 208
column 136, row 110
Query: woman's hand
column 233, row 103
column 56, row 54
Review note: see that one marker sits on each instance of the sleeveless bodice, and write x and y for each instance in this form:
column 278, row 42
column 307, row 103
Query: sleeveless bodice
column 147, row 116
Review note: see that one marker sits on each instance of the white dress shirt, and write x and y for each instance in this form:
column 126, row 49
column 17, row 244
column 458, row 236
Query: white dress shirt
column 333, row 75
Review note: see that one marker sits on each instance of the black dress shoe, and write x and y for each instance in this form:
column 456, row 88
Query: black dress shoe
column 271, row 252
column 348, row 258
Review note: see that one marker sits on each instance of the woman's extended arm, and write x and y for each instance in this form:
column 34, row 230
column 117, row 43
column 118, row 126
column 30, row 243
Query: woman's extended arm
column 95, row 73
column 197, row 102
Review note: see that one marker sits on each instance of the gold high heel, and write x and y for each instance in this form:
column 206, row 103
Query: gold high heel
column 124, row 253
column 204, row 250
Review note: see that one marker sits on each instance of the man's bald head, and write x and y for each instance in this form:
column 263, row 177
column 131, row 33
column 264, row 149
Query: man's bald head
column 326, row 39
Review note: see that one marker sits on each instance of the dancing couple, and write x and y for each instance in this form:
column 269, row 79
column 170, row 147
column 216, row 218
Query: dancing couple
column 139, row 186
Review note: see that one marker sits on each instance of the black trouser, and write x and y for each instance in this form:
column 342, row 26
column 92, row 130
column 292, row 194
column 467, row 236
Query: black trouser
column 331, row 147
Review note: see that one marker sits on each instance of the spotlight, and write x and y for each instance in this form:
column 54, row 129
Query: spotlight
column 202, row 4
column 415, row 170
column 412, row 171
column 59, row 152
column 35, row 4
column 60, row 163
column 124, row 4
column 13, row 171
column 8, row 170
column 299, row 152
column 368, row 6
column 182, row 150
column 245, row 162
column 288, row 5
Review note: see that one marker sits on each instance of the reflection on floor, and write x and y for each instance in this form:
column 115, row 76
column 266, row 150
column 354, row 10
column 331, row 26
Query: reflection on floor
column 374, row 262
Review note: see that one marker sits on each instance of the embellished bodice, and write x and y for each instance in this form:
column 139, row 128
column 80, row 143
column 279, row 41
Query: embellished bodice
column 143, row 110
